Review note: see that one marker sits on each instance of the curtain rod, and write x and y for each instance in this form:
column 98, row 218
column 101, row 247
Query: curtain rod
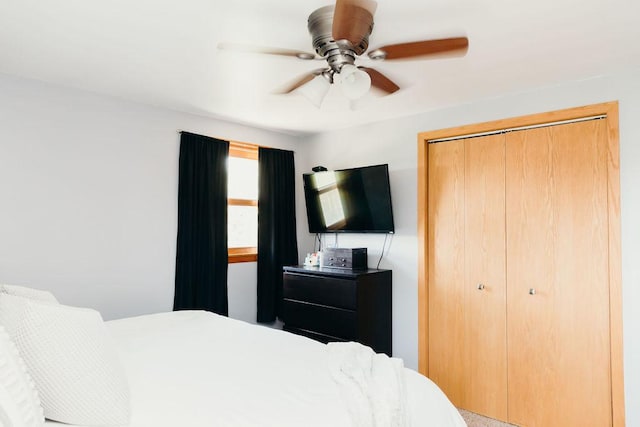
column 235, row 141
column 222, row 139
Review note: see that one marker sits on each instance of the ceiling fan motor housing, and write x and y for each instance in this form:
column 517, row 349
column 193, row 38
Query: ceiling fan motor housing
column 336, row 52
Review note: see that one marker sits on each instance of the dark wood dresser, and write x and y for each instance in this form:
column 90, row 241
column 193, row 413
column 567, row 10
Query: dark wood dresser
column 332, row 304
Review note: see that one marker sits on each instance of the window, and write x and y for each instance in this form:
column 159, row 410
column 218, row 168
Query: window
column 242, row 202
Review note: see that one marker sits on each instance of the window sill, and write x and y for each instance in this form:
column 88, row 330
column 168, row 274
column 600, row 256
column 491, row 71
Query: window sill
column 242, row 255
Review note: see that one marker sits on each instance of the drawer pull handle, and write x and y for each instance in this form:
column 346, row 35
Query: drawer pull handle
column 480, row 287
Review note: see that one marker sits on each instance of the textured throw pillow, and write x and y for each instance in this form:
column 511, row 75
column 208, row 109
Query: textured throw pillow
column 23, row 291
column 72, row 360
column 19, row 402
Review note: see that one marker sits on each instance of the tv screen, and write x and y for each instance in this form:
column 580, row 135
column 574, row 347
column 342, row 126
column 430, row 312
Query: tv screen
column 354, row 200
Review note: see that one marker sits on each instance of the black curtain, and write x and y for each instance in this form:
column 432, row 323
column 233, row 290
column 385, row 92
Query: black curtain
column 201, row 252
column 277, row 243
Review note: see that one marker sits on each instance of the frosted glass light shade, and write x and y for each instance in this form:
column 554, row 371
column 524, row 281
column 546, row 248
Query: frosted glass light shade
column 315, row 90
column 354, row 83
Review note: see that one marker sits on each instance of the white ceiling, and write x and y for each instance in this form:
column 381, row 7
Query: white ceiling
column 163, row 52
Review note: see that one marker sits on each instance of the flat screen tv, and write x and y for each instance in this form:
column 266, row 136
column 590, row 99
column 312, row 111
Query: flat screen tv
column 356, row 200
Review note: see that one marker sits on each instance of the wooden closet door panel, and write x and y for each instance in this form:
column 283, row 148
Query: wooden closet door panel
column 485, row 293
column 558, row 338
column 446, row 268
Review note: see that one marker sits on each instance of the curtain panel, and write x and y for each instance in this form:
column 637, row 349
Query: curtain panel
column 277, row 242
column 201, row 250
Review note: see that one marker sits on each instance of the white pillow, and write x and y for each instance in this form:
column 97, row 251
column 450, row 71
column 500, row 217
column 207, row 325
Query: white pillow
column 19, row 402
column 72, row 360
column 23, row 291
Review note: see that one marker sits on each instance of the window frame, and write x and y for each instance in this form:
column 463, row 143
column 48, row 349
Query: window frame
column 246, row 151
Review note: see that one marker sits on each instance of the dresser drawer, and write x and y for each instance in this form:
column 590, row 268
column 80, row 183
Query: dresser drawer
column 313, row 335
column 321, row 290
column 319, row 318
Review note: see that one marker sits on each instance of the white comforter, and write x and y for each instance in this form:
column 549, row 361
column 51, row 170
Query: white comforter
column 194, row 368
column 373, row 385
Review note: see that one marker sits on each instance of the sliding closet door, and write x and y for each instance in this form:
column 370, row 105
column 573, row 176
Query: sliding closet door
column 557, row 269
column 446, row 268
column 485, row 293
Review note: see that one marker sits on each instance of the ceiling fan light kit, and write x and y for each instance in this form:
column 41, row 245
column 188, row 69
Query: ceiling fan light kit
column 354, row 83
column 315, row 90
column 340, row 34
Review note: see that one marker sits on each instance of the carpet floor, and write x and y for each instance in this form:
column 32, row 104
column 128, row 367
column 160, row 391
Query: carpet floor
column 475, row 420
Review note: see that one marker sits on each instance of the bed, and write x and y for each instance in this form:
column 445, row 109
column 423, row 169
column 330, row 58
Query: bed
column 196, row 368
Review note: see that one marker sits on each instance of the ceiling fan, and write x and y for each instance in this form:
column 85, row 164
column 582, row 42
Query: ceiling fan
column 340, row 35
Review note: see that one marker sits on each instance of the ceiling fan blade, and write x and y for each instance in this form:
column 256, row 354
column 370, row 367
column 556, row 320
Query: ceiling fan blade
column 300, row 81
column 456, row 46
column 380, row 81
column 352, row 20
column 239, row 47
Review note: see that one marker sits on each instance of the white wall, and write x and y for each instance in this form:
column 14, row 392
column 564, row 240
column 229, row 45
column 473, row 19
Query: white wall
column 88, row 198
column 395, row 142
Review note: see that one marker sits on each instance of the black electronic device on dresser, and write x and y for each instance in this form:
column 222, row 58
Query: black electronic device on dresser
column 331, row 304
column 355, row 259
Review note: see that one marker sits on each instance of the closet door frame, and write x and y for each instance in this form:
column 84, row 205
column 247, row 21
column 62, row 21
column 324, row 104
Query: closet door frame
column 610, row 110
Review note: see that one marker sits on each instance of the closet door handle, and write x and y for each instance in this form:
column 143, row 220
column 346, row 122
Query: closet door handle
column 480, row 286
column 532, row 291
